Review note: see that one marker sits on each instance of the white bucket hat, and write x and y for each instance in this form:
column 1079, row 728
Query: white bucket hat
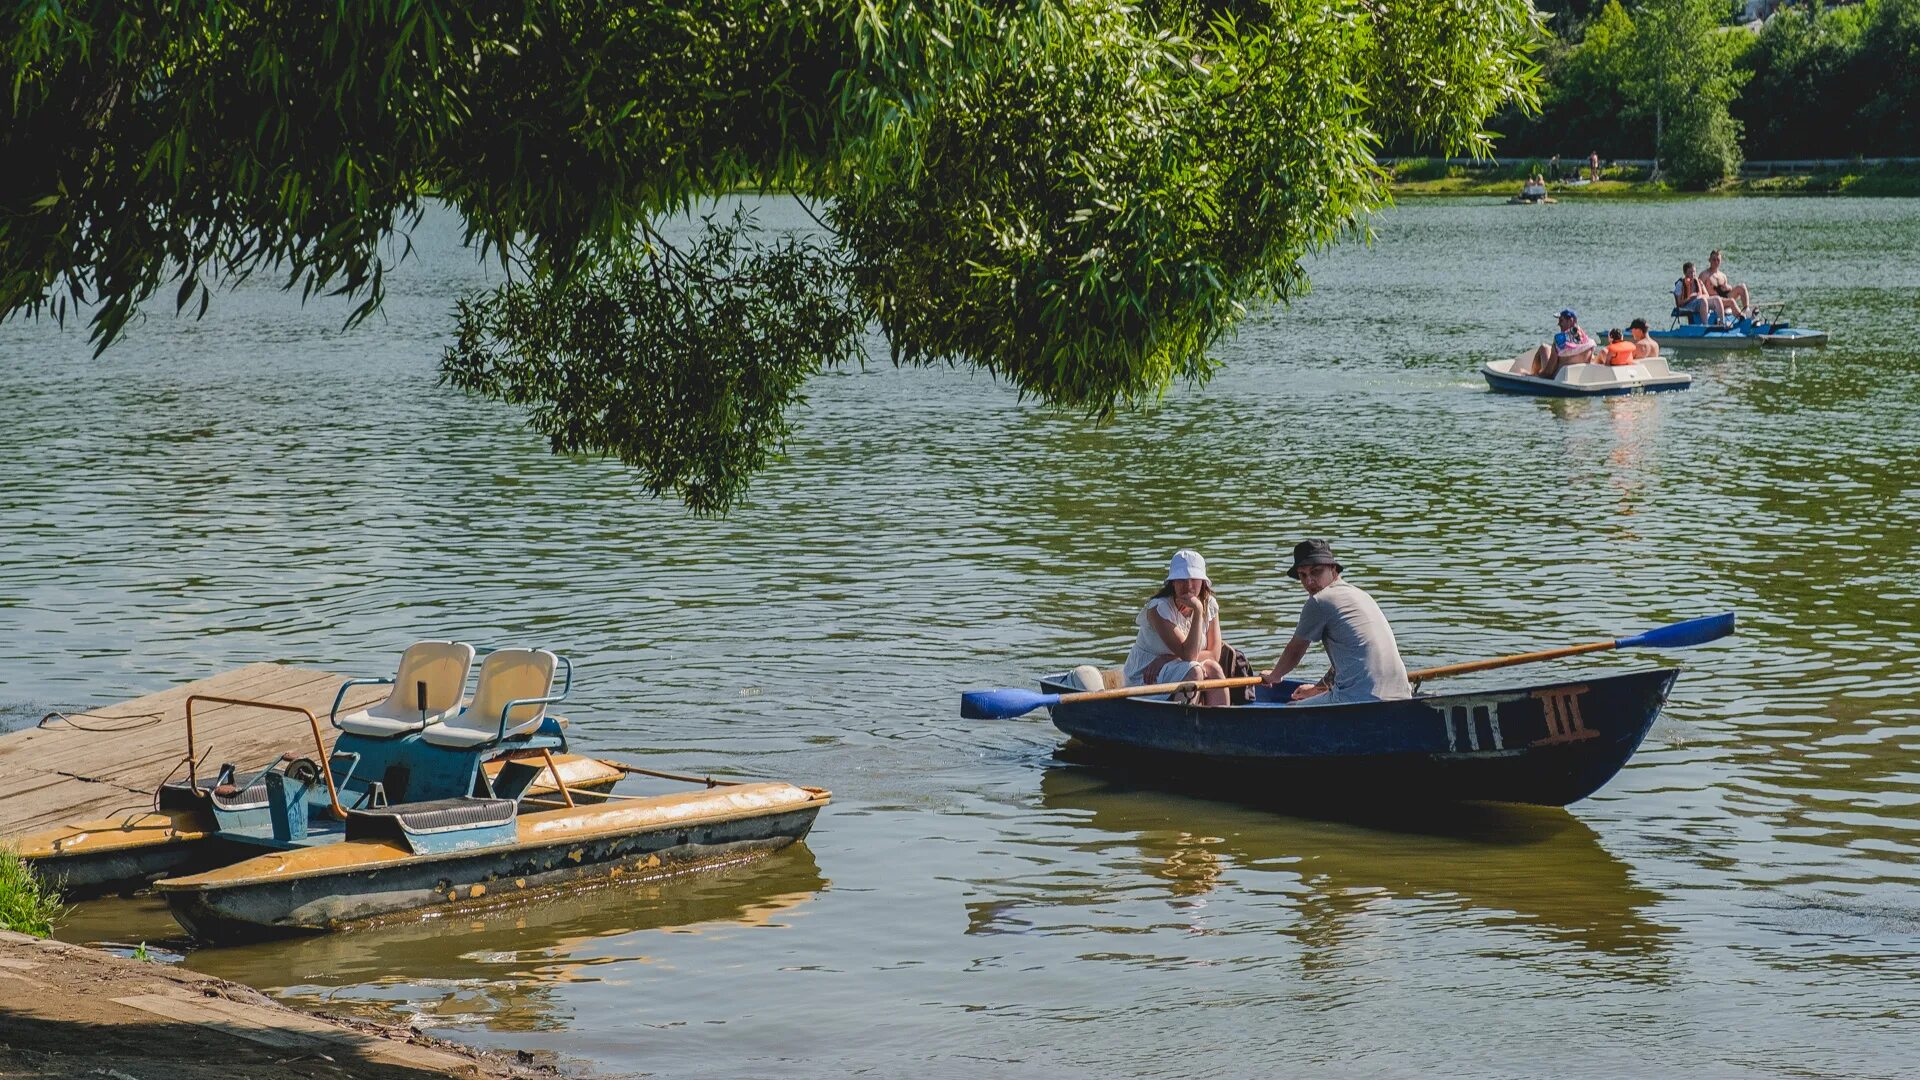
column 1187, row 563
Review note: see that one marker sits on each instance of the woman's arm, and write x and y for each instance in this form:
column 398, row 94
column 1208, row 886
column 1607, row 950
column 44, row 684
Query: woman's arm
column 1190, row 645
column 1170, row 635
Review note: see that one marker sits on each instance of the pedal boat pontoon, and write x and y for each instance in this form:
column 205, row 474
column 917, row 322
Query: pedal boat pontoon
column 1749, row 332
column 1586, row 380
column 180, row 833
column 429, row 804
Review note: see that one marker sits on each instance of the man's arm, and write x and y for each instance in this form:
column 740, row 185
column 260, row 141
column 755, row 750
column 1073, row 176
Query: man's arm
column 1289, row 659
column 1325, row 684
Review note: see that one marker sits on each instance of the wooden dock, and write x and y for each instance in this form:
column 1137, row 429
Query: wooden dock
column 87, row 765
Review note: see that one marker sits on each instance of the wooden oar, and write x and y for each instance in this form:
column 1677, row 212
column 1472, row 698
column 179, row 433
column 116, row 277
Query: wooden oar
column 1672, row 636
column 1007, row 703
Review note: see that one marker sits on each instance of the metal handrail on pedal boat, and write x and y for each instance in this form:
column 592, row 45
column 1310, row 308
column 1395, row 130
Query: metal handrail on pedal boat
column 320, row 746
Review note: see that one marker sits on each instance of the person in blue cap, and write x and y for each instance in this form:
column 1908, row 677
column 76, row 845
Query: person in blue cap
column 1571, row 345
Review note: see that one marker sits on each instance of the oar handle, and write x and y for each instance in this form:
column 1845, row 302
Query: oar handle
column 1161, row 688
column 1508, row 661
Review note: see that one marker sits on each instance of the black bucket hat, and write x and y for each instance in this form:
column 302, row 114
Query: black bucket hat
column 1312, row 553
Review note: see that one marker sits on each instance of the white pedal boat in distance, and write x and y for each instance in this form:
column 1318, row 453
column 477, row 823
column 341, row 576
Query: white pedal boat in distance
column 1586, row 380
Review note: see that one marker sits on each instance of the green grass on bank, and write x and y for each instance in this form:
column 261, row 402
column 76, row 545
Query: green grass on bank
column 28, row 905
column 1433, row 177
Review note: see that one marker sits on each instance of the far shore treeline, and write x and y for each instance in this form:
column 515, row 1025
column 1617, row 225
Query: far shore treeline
column 1700, row 86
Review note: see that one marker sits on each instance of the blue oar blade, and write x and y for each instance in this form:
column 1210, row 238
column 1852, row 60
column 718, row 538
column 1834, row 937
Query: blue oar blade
column 1002, row 704
column 1691, row 632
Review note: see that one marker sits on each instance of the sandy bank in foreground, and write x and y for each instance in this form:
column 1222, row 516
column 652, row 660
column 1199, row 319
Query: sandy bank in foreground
column 69, row 1011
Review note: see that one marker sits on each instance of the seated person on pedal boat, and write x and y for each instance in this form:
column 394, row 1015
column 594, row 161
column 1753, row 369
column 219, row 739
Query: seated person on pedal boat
column 1715, row 279
column 1643, row 346
column 1363, row 659
column 1179, row 635
column 1620, row 351
column 1692, row 299
column 1570, row 346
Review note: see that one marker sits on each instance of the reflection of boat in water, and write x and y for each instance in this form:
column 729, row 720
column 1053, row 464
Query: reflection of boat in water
column 503, row 963
column 1499, row 866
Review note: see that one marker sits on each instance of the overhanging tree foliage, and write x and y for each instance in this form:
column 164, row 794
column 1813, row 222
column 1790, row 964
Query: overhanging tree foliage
column 1078, row 195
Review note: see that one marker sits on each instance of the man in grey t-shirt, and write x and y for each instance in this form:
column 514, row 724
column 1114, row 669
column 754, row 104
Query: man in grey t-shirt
column 1363, row 657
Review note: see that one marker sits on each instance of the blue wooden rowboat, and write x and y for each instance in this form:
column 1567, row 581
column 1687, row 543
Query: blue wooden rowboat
column 1548, row 744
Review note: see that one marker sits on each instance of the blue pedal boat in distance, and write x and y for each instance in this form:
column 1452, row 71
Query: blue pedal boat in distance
column 1548, row 744
column 1750, row 332
column 442, row 805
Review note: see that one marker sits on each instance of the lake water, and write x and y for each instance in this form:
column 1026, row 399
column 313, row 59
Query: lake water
column 1740, row 901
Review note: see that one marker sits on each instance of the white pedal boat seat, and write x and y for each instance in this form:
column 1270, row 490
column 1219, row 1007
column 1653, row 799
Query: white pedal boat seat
column 506, row 675
column 442, row 666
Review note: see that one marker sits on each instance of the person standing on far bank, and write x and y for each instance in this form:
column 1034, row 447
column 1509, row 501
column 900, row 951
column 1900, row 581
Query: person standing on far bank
column 1363, row 659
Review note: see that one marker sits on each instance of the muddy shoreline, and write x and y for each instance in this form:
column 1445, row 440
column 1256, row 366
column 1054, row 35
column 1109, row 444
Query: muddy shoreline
column 67, row 1010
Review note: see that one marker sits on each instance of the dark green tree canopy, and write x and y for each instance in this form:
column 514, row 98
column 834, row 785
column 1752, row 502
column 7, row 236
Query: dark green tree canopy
column 1080, row 196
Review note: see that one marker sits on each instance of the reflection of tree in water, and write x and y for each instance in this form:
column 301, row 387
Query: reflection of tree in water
column 1497, row 867
column 503, row 967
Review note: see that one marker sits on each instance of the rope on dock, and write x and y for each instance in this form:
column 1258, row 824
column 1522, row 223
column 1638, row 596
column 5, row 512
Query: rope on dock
column 152, row 718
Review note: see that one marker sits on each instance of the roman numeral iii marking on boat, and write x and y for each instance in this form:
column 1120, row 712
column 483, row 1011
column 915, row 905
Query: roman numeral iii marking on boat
column 1464, row 718
column 1561, row 704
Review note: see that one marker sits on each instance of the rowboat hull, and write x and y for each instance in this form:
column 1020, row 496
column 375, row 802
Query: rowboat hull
column 1548, row 745
column 340, row 884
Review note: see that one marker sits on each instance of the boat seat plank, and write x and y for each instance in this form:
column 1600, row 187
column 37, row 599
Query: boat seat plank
column 434, row 815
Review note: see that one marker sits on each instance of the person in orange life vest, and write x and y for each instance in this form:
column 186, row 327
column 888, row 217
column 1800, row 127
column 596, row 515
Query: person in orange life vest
column 1619, row 350
column 1692, row 298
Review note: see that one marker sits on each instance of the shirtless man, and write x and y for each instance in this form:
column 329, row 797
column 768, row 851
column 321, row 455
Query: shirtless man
column 1643, row 346
column 1570, row 346
column 1715, row 279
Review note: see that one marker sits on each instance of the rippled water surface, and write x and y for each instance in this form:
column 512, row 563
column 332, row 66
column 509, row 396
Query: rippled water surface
column 1741, row 900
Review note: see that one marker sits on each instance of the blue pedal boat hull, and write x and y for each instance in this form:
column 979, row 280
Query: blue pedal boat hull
column 1745, row 334
column 1547, row 744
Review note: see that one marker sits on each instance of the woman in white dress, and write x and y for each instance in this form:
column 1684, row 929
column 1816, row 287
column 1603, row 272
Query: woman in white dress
column 1179, row 635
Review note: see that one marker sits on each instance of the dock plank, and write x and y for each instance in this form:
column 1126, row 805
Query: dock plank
column 116, row 755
